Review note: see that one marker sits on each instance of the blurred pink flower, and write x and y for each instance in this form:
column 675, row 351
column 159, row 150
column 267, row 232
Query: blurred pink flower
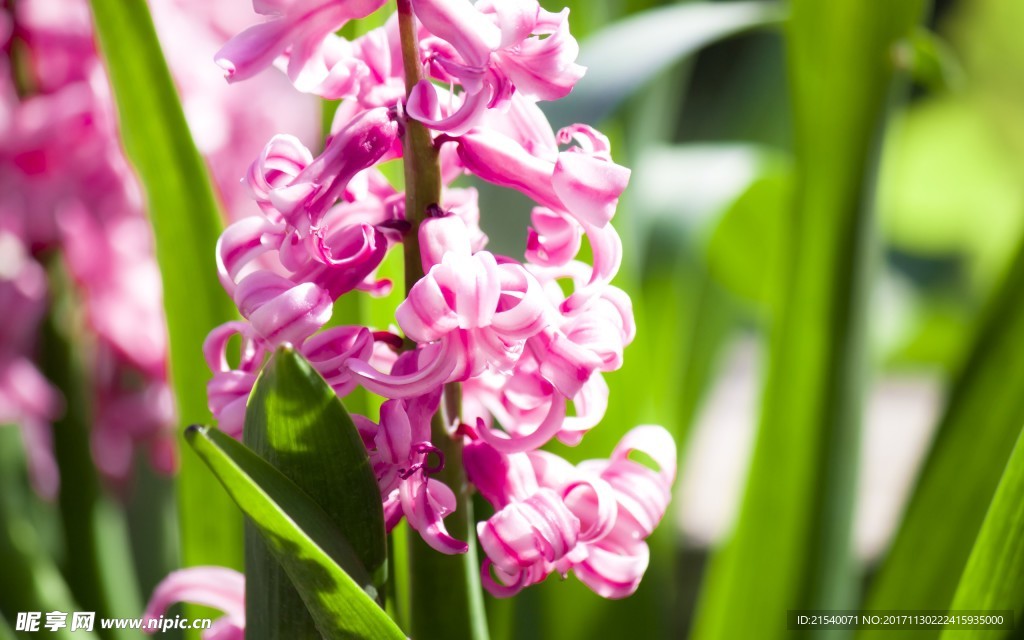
column 66, row 187
column 215, row 587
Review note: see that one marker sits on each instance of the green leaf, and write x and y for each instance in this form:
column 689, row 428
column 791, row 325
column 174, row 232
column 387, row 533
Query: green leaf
column 187, row 223
column 295, row 422
column 979, row 426
column 617, row 67
column 323, row 566
column 790, row 547
column 994, row 576
column 743, row 248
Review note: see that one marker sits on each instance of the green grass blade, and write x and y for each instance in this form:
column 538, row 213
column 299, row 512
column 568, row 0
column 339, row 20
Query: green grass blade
column 29, row 580
column 977, row 431
column 295, row 422
column 617, row 67
column 994, row 576
column 323, row 566
column 97, row 563
column 6, row 632
column 790, row 545
column 186, row 221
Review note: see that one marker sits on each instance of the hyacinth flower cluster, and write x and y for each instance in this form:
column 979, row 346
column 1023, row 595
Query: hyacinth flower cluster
column 522, row 340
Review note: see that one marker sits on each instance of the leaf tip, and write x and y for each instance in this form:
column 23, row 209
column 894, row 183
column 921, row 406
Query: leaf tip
column 194, row 430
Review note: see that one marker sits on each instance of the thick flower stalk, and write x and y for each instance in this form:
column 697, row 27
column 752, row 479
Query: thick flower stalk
column 524, row 338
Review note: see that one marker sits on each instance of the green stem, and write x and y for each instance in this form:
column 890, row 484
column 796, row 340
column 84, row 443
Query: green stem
column 98, row 564
column 29, row 580
column 445, row 596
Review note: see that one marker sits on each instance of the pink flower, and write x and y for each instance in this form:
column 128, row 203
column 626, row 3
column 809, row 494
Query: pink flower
column 496, row 49
column 229, row 389
column 523, row 402
column 215, row 587
column 298, row 29
column 478, row 312
column 578, row 188
column 400, row 451
column 591, row 519
column 522, row 339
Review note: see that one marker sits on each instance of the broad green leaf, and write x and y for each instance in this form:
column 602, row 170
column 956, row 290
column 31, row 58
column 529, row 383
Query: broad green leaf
column 295, row 422
column 977, row 431
column 743, row 248
column 621, row 58
column 29, row 580
column 994, row 576
column 97, row 556
column 186, row 222
column 790, row 547
column 325, row 569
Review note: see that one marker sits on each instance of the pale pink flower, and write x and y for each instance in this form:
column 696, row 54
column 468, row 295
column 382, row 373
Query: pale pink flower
column 591, row 519
column 65, row 186
column 216, row 587
column 229, row 388
column 521, row 345
column 496, row 50
column 400, row 452
column 477, row 311
column 297, row 29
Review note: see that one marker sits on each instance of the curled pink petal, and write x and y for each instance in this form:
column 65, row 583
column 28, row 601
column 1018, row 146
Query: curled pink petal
column 589, row 186
column 436, row 369
column 426, row 503
column 254, row 49
column 553, row 239
column 216, row 587
column 461, row 24
column 283, row 158
column 500, row 478
column 281, row 311
column 439, row 236
column 241, row 243
column 591, row 403
column 592, row 500
column 547, row 430
column 544, row 69
column 423, row 103
column 300, row 27
column 612, row 573
column 538, row 530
